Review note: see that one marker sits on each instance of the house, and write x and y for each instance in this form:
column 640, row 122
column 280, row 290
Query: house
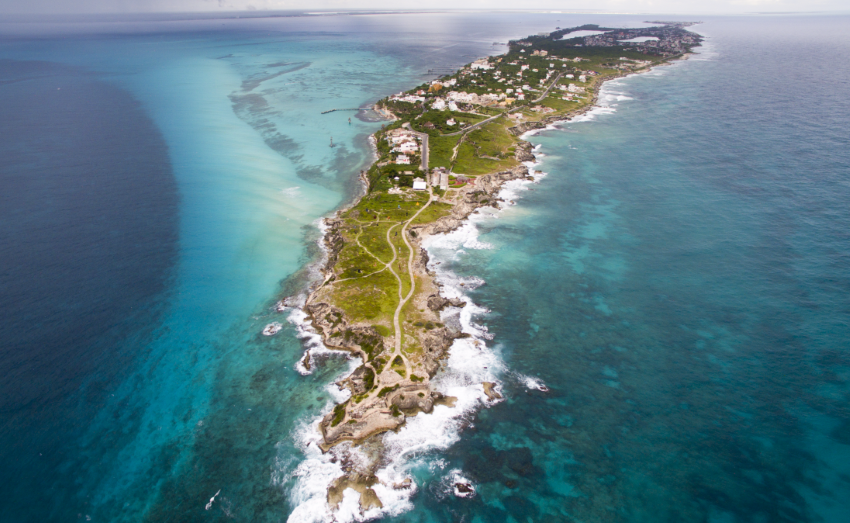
column 408, row 147
column 481, row 64
column 402, row 159
column 582, row 78
column 401, row 97
column 419, row 184
column 451, row 121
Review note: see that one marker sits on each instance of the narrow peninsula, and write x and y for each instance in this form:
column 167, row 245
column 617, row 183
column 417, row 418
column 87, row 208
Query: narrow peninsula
column 451, row 144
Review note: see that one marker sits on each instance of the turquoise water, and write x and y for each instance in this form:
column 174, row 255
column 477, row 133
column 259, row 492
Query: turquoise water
column 677, row 281
column 190, row 398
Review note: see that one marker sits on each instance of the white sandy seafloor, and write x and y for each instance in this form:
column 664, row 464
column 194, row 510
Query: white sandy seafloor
column 472, row 361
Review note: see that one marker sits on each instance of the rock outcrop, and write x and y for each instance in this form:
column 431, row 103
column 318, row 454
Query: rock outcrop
column 437, row 303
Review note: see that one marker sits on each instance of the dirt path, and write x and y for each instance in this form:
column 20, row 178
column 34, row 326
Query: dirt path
column 405, row 299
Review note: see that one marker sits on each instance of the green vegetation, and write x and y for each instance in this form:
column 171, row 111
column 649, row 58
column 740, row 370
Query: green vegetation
column 339, row 414
column 441, row 150
column 398, row 366
column 372, row 261
column 386, row 390
column 432, row 213
column 485, row 150
column 435, row 122
column 369, row 379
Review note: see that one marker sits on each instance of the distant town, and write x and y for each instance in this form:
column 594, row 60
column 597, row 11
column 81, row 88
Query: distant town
column 540, row 76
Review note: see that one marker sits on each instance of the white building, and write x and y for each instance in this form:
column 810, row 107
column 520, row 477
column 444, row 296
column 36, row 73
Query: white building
column 408, row 147
column 444, row 83
column 402, row 159
column 407, row 98
column 481, row 64
column 419, row 184
column 451, row 121
column 438, row 105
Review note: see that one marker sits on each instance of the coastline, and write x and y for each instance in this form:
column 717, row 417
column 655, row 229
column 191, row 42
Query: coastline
column 369, row 468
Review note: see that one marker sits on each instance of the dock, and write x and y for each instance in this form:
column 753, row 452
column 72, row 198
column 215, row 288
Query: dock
column 332, row 110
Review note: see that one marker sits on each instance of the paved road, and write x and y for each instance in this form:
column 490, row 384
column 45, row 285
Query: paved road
column 424, row 138
column 474, row 126
column 542, row 96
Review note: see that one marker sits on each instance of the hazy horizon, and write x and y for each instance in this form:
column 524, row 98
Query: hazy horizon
column 258, row 7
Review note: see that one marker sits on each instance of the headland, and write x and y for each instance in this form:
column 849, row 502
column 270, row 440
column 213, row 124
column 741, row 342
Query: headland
column 448, row 148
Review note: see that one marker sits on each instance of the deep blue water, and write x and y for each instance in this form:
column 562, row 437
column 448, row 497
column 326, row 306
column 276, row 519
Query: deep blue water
column 678, row 280
column 88, row 233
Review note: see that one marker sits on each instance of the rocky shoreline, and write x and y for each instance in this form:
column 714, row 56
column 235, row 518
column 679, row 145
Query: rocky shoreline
column 403, row 397
column 408, row 397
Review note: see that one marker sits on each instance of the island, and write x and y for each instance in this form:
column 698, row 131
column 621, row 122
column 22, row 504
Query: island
column 449, row 147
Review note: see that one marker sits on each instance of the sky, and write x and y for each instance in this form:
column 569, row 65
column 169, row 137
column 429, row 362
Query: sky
column 612, row 6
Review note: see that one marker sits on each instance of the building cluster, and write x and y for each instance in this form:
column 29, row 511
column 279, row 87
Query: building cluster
column 478, row 84
column 438, row 177
column 404, row 144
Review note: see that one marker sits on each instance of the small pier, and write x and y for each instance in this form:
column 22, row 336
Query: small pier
column 332, row 110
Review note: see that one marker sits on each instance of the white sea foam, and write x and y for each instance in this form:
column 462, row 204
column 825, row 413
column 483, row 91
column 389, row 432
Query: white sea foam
column 464, row 237
column 272, row 328
column 531, row 382
column 455, row 480
column 312, row 477
column 310, row 339
column 470, row 363
column 291, row 191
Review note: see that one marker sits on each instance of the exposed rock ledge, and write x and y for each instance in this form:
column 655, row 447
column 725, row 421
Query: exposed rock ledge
column 389, row 409
column 482, row 193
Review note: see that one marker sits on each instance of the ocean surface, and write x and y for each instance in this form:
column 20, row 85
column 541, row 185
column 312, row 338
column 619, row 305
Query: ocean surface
column 666, row 308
